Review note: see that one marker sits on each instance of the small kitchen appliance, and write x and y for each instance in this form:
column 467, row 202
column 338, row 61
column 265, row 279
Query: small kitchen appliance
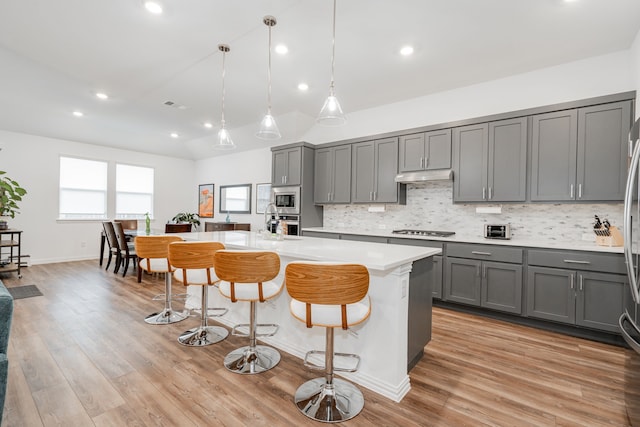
column 497, row 231
column 286, row 199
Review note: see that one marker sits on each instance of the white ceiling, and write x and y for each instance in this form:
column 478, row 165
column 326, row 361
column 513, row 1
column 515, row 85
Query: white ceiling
column 55, row 55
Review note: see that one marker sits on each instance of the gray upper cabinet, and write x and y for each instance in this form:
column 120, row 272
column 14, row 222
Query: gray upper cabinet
column 332, row 175
column 580, row 154
column 490, row 161
column 470, row 163
column 287, row 167
column 425, row 151
column 373, row 171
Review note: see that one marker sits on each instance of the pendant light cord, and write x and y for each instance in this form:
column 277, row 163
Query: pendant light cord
column 224, row 50
column 269, row 75
column 333, row 52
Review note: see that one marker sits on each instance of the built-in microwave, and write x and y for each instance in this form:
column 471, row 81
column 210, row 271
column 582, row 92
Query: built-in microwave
column 286, row 199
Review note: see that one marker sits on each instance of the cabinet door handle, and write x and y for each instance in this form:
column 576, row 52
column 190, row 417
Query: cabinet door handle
column 478, row 270
column 490, row 195
column 481, row 253
column 575, row 261
column 375, row 195
column 426, row 162
column 571, row 191
column 581, row 282
column 571, row 282
column 484, row 271
column 285, row 179
column 484, row 193
column 329, row 197
column 579, row 191
column 421, row 162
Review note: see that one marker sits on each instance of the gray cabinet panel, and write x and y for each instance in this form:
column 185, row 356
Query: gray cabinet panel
column 321, row 235
column 470, row 162
column 363, row 238
column 601, row 300
column 332, row 175
column 507, row 168
column 287, row 167
column 424, row 151
column 416, row 242
column 602, row 151
column 502, row 287
column 362, row 172
column 485, row 252
column 550, row 294
column 591, row 261
column 462, row 281
column 437, row 277
column 386, row 188
column 553, row 156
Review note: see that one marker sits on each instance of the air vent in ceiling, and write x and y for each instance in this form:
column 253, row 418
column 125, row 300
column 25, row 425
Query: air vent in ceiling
column 175, row 105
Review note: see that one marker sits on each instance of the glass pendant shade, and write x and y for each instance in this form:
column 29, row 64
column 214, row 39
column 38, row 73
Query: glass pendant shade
column 224, row 141
column 268, row 128
column 331, row 113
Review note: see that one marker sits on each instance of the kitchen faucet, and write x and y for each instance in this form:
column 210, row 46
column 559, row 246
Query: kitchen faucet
column 269, row 211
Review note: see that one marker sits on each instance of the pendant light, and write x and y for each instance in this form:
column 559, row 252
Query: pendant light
column 224, row 141
column 331, row 113
column 268, row 127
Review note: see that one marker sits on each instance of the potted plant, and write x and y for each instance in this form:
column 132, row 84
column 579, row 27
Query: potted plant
column 186, row 217
column 10, row 194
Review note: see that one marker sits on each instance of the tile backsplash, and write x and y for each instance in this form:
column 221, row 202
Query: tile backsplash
column 430, row 207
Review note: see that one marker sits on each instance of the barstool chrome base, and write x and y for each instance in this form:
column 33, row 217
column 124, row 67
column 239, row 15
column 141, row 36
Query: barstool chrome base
column 201, row 336
column 165, row 317
column 329, row 403
column 247, row 360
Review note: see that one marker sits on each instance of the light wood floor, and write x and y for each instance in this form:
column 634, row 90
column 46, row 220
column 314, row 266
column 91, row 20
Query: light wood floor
column 81, row 355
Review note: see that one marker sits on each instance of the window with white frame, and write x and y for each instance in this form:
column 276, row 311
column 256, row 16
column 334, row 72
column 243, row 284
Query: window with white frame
column 134, row 191
column 83, row 189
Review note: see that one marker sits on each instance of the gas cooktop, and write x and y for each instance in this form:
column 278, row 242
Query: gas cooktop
column 433, row 233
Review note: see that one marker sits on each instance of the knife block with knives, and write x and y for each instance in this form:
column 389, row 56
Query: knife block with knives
column 606, row 234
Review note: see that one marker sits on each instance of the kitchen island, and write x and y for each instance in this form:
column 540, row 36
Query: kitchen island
column 384, row 342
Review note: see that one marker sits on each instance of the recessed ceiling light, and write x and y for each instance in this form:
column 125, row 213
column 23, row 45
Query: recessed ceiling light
column 406, row 50
column 153, row 7
column 78, row 113
column 303, row 86
column 174, row 135
column 281, row 49
column 102, row 95
column 208, row 125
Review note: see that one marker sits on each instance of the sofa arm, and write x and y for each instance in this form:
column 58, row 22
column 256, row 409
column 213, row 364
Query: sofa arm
column 6, row 313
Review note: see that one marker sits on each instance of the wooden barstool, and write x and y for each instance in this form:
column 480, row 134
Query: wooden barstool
column 248, row 276
column 153, row 257
column 195, row 266
column 332, row 296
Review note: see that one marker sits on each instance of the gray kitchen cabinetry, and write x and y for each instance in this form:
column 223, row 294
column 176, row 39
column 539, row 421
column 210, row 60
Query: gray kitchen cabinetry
column 436, row 285
column 582, row 289
column 580, row 154
column 373, row 171
column 425, row 151
column 332, row 179
column 489, row 161
column 287, row 167
column 485, row 276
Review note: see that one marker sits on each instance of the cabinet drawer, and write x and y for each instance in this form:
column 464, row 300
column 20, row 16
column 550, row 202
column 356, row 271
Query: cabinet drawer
column 415, row 242
column 606, row 263
column 485, row 252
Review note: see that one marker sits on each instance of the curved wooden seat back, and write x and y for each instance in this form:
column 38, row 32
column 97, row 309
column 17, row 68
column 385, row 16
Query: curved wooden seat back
column 246, row 267
column 327, row 284
column 150, row 247
column 110, row 234
column 194, row 256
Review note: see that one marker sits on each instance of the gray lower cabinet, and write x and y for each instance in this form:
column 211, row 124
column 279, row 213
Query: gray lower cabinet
column 487, row 276
column 332, row 175
column 583, row 289
column 425, row 151
column 321, row 235
column 373, row 170
column 580, row 154
column 436, row 285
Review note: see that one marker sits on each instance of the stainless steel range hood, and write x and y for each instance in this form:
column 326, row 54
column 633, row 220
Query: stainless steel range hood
column 425, row 176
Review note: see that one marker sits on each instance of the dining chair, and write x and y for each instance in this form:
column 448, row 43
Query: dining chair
column 177, row 228
column 126, row 250
column 128, row 224
column 112, row 242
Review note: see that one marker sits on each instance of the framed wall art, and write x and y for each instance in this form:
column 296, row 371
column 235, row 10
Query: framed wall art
column 205, row 200
column 263, row 197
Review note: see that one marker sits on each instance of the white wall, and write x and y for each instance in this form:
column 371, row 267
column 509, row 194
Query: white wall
column 634, row 53
column 33, row 161
column 247, row 167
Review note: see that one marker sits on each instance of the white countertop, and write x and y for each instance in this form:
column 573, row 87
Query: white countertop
column 577, row 245
column 374, row 256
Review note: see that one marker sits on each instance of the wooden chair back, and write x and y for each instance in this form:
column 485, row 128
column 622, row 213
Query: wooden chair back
column 246, row 266
column 128, row 224
column 328, row 284
column 110, row 234
column 194, row 256
column 121, row 237
column 177, row 228
column 154, row 246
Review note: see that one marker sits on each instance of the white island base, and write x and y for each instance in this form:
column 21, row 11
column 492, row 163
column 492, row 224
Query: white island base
column 381, row 341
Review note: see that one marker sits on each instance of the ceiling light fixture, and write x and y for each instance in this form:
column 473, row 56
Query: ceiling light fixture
column 153, row 7
column 331, row 113
column 303, row 87
column 268, row 127
column 102, row 95
column 174, row 135
column 208, row 125
column 224, row 141
column 406, row 50
column 78, row 113
column 281, row 49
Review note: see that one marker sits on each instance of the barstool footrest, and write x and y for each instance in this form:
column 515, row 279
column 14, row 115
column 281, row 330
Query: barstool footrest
column 317, row 367
column 174, row 297
column 237, row 333
column 222, row 309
